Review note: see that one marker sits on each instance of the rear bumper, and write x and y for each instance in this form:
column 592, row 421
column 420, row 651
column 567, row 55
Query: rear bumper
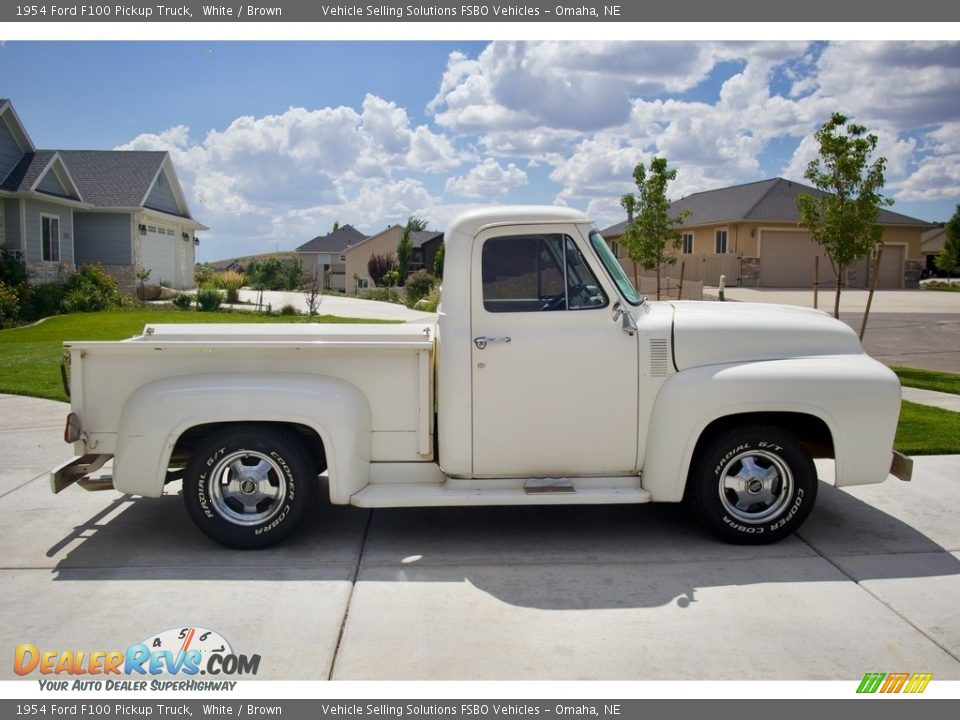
column 71, row 471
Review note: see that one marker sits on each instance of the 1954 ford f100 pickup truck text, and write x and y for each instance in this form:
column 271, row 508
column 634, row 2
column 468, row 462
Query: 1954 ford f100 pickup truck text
column 546, row 380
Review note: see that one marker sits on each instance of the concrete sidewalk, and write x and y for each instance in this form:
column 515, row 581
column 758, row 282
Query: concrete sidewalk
column 947, row 401
column 630, row 592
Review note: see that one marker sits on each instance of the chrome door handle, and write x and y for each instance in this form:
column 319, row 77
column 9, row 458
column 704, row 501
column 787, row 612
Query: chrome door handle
column 482, row 342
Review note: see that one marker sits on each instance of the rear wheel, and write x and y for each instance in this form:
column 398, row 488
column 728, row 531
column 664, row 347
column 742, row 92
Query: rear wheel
column 753, row 485
column 248, row 486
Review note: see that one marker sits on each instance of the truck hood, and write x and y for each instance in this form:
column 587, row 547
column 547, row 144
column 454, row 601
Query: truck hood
column 713, row 333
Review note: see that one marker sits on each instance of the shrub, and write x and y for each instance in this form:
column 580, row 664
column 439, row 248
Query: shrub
column 90, row 289
column 182, row 301
column 13, row 271
column 41, row 301
column 202, row 274
column 209, row 299
column 429, row 303
column 232, row 282
column 9, row 305
column 383, row 294
column 379, row 265
column 418, row 285
column 289, row 309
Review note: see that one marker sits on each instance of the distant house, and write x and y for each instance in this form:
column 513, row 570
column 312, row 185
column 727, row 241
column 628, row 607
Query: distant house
column 425, row 245
column 751, row 234
column 326, row 254
column 122, row 209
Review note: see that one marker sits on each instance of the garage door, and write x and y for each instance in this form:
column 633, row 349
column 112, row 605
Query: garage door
column 891, row 269
column 159, row 255
column 786, row 260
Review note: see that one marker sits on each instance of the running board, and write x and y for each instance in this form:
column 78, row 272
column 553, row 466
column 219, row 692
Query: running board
column 454, row 493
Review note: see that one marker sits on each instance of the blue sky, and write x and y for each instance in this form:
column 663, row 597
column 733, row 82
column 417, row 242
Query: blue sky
column 274, row 141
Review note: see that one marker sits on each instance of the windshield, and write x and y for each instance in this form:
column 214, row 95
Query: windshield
column 614, row 269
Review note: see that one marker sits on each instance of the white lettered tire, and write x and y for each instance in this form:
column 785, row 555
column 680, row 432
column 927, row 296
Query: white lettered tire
column 249, row 486
column 753, row 484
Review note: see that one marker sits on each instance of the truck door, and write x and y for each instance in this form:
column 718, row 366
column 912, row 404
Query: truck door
column 554, row 376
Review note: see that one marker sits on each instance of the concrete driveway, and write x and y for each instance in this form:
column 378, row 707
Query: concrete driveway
column 869, row 584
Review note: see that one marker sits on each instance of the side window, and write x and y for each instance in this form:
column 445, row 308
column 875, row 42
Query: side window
column 537, row 273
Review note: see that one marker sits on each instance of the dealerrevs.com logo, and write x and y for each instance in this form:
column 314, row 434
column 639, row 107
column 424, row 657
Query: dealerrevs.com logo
column 183, row 651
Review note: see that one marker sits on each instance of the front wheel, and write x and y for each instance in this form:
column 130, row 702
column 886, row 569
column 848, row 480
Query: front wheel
column 249, row 486
column 753, row 485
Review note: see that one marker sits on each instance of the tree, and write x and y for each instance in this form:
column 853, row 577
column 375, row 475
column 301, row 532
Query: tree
column 438, row 262
column 948, row 259
column 843, row 221
column 651, row 237
column 405, row 247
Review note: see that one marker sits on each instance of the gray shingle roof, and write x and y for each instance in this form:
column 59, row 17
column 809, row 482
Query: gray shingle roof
column 26, row 172
column 419, row 237
column 773, row 200
column 113, row 178
column 336, row 241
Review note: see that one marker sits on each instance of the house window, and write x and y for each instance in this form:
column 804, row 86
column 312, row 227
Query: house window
column 362, row 283
column 688, row 243
column 50, row 228
column 615, row 249
column 721, row 244
column 343, row 258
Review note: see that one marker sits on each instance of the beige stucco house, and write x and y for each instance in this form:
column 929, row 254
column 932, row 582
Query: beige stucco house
column 931, row 243
column 751, row 234
column 326, row 255
column 425, row 244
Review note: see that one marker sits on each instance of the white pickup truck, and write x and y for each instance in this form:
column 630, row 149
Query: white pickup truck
column 546, row 380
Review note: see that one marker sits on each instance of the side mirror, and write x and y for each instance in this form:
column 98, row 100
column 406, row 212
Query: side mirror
column 627, row 323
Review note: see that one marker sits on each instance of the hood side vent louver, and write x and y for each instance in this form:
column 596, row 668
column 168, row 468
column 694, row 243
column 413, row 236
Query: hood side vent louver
column 659, row 358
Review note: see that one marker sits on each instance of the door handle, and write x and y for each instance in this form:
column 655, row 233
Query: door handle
column 482, row 342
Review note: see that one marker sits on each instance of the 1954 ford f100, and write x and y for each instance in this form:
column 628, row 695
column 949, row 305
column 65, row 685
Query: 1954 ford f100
column 546, row 380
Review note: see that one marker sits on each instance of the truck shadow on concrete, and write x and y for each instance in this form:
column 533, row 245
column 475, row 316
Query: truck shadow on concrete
column 557, row 558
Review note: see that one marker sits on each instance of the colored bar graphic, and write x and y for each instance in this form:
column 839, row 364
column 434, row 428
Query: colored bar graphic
column 894, row 682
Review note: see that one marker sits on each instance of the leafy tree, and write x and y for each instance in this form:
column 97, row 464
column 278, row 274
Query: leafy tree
column 438, row 262
column 379, row 265
column 948, row 259
column 651, row 238
column 843, row 221
column 336, row 225
column 405, row 247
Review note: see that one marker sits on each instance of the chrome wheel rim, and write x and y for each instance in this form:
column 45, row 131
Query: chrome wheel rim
column 247, row 487
column 755, row 486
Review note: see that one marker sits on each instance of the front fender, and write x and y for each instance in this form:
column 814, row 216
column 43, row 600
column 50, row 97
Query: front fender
column 855, row 396
column 157, row 414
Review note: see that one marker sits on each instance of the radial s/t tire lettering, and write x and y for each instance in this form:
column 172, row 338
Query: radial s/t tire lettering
column 249, row 486
column 753, row 485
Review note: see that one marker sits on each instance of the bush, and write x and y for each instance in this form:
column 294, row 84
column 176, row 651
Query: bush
column 379, row 265
column 13, row 271
column 232, row 281
column 9, row 305
column 41, row 301
column 289, row 309
column 202, row 275
column 182, row 301
column 430, row 303
column 90, row 289
column 208, row 300
column 418, row 285
column 383, row 294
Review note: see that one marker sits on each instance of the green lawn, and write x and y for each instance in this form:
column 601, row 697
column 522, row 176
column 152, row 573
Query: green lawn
column 928, row 379
column 30, row 356
column 925, row 430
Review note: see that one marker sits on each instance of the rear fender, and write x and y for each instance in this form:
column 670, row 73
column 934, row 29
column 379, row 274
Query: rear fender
column 157, row 414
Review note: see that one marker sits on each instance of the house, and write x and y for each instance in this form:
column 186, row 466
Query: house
column 425, row 244
column 122, row 209
column 326, row 254
column 751, row 234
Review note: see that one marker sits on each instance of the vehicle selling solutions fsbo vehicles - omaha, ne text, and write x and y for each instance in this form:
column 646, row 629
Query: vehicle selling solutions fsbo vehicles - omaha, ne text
column 546, row 380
